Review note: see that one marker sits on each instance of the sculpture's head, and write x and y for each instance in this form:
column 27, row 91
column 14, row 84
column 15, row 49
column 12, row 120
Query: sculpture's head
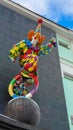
column 35, row 36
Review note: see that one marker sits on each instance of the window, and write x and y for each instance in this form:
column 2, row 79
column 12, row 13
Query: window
column 64, row 44
column 71, row 117
column 68, row 76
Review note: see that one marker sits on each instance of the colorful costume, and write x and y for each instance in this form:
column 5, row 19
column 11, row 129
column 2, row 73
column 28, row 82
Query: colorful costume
column 29, row 50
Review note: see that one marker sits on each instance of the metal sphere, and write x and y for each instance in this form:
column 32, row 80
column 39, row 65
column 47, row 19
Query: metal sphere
column 24, row 110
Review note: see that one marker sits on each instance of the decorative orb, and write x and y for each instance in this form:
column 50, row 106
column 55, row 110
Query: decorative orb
column 24, row 110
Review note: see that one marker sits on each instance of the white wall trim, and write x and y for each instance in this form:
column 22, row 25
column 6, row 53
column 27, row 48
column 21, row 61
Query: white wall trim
column 25, row 12
column 65, row 69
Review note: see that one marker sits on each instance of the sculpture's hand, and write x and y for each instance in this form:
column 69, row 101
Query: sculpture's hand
column 53, row 41
column 11, row 59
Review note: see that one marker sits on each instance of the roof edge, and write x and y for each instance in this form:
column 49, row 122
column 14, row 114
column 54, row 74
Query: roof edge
column 67, row 33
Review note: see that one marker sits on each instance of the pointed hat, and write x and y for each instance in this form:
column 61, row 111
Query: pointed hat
column 38, row 29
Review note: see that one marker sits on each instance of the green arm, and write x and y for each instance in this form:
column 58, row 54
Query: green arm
column 45, row 49
column 15, row 50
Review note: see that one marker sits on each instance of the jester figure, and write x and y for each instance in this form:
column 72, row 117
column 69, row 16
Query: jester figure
column 28, row 51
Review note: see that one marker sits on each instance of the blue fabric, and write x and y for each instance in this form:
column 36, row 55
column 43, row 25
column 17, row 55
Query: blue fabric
column 29, row 44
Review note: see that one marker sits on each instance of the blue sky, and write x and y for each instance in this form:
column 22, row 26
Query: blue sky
column 59, row 11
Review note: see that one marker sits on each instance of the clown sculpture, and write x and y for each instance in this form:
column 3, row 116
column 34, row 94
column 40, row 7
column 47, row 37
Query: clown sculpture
column 29, row 50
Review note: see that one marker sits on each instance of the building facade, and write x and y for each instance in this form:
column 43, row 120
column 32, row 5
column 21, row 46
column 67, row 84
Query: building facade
column 65, row 47
column 15, row 22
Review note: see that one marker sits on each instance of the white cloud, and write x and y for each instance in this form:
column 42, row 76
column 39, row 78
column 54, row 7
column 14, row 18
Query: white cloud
column 42, row 7
column 34, row 5
column 52, row 9
column 64, row 6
